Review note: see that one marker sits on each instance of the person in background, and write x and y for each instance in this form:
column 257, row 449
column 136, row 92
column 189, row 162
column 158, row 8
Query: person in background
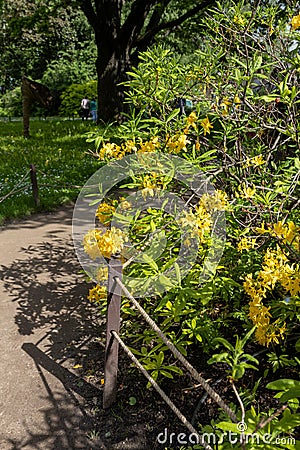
column 93, row 108
column 85, row 108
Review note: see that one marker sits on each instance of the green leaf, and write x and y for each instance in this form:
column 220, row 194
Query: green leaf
column 225, row 343
column 165, row 373
column 150, row 261
column 227, row 426
column 291, row 393
column 166, row 282
column 177, row 272
column 269, row 98
column 173, row 115
column 160, row 358
column 283, row 384
column 220, row 357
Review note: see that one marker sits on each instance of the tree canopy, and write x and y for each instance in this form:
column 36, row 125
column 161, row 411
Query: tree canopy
column 61, row 42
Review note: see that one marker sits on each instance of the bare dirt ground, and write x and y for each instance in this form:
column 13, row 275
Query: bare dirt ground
column 52, row 351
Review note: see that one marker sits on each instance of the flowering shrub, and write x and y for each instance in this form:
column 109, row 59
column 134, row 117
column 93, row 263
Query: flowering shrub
column 243, row 134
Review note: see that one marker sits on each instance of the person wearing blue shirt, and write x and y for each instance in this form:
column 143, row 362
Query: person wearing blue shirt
column 93, row 109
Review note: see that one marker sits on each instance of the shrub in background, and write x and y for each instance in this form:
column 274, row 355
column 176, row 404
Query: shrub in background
column 72, row 96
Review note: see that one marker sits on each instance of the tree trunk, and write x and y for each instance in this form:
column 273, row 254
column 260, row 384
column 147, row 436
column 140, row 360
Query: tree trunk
column 33, row 91
column 111, row 94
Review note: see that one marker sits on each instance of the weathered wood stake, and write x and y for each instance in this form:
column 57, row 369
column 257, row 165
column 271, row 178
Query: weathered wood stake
column 34, row 184
column 112, row 324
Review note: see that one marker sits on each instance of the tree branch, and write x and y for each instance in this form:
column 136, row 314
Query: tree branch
column 88, row 10
column 150, row 33
column 135, row 21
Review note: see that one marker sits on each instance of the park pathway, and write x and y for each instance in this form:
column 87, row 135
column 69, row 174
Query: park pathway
column 44, row 321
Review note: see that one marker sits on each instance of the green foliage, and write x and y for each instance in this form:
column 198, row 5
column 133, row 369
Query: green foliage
column 72, row 96
column 76, row 66
column 58, row 151
column 235, row 357
column 243, row 134
column 11, row 103
column 34, row 36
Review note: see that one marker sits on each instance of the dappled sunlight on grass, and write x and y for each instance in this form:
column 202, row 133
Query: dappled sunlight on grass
column 58, row 149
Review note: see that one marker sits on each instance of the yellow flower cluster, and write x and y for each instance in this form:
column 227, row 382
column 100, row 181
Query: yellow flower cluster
column 256, row 161
column 102, row 274
column 246, row 244
column 237, row 101
column 111, row 150
column 295, row 22
column 199, row 222
column 104, row 213
column 191, row 122
column 275, row 269
column 239, row 20
column 288, row 233
column 246, row 192
column 218, row 201
column 225, row 106
column 97, row 294
column 149, row 146
column 125, row 204
column 176, row 143
column 206, row 125
column 150, row 183
column 97, row 243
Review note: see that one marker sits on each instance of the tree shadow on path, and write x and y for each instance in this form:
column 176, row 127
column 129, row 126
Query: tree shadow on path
column 52, row 310
column 51, row 295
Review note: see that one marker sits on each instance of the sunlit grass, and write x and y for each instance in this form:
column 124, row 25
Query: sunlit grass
column 58, row 150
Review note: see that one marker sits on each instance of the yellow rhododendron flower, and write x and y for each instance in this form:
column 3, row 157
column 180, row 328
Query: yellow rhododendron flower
column 246, row 244
column 111, row 150
column 275, row 269
column 111, row 242
column 90, row 243
column 129, row 146
column 257, row 161
column 150, row 184
column 218, row 201
column 105, row 212
column 225, row 106
column 199, row 223
column 176, row 143
column 239, row 20
column 248, row 192
column 149, row 146
column 97, row 243
column 288, row 232
column 237, row 101
column 125, row 205
column 295, row 22
column 102, row 274
column 191, row 120
column 262, row 229
column 205, row 123
column 97, row 294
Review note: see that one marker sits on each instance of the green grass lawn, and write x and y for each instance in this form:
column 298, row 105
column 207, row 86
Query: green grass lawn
column 58, row 149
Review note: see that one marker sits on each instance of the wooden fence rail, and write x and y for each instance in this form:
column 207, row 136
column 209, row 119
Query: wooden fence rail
column 113, row 340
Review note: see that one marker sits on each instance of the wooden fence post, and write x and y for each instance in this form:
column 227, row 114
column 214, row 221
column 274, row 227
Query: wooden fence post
column 35, row 189
column 112, row 324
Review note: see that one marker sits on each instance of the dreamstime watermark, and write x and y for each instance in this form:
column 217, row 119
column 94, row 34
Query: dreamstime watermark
column 240, row 436
column 109, row 178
